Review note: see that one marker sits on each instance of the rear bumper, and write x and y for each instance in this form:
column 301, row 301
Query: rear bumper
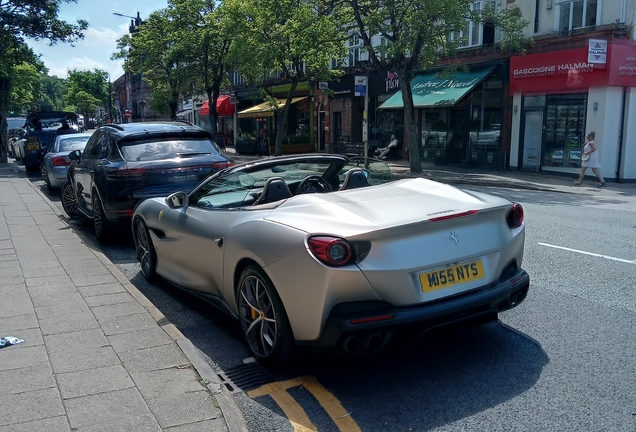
column 356, row 332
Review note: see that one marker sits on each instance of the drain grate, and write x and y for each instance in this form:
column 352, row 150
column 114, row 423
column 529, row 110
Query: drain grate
column 245, row 377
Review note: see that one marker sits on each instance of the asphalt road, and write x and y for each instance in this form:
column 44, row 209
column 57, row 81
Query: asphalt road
column 563, row 360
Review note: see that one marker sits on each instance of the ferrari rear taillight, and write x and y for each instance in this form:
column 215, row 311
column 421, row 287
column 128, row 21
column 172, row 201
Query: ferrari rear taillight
column 60, row 161
column 332, row 251
column 514, row 217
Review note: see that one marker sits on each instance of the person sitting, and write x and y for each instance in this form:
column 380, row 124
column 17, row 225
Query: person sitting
column 393, row 143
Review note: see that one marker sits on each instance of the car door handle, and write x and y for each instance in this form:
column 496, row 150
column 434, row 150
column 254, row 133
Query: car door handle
column 218, row 241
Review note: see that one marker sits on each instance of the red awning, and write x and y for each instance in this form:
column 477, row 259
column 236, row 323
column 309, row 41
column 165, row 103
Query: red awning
column 223, row 107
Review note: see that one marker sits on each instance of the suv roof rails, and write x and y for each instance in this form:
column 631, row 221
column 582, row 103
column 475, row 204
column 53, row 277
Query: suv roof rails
column 115, row 125
column 183, row 121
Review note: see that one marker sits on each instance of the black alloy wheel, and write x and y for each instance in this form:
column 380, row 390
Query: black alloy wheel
column 263, row 319
column 146, row 254
column 103, row 227
column 69, row 200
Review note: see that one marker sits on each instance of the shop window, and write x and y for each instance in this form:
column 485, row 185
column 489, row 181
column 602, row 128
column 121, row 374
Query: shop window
column 564, row 130
column 389, row 123
column 577, row 14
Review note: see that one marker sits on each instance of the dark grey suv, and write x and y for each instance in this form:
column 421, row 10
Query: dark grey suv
column 123, row 164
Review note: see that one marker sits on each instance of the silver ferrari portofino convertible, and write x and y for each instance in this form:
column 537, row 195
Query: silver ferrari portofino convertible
column 328, row 251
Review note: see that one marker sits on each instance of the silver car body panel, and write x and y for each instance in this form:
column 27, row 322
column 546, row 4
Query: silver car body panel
column 394, row 217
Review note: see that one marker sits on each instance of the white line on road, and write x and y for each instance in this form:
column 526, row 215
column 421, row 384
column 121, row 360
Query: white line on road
column 589, row 253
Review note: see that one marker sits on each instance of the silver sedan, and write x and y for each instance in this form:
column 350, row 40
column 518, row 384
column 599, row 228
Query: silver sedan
column 54, row 166
column 324, row 251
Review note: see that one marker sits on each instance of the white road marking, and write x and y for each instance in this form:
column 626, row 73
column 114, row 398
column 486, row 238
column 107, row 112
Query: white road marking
column 589, row 253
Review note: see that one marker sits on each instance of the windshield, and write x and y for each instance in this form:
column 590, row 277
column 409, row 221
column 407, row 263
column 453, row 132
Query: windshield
column 15, row 123
column 152, row 150
column 70, row 143
column 241, row 188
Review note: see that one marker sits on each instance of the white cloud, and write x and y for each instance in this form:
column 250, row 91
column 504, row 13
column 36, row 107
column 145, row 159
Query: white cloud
column 94, row 38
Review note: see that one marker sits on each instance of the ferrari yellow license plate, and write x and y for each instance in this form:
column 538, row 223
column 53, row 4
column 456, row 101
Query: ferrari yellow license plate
column 449, row 276
column 33, row 145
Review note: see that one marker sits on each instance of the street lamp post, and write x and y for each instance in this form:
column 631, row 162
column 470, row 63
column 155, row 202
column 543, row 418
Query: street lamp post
column 135, row 22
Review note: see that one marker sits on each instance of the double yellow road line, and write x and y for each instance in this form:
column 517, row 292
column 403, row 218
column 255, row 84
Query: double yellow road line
column 296, row 414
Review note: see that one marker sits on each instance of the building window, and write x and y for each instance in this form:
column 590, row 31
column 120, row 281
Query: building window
column 355, row 44
column 476, row 33
column 577, row 14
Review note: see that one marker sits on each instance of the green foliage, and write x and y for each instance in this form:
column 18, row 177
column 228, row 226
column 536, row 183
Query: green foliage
column 36, row 19
column 204, row 42
column 293, row 39
column 19, row 20
column 87, row 90
column 54, row 90
column 26, row 88
column 154, row 51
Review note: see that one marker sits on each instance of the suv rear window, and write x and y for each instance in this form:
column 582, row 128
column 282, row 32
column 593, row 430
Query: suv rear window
column 150, row 150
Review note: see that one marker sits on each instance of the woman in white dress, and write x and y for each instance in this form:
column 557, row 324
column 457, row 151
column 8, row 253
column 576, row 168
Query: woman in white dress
column 590, row 160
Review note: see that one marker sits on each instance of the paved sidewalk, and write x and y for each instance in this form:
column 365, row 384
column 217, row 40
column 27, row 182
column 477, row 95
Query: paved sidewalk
column 97, row 355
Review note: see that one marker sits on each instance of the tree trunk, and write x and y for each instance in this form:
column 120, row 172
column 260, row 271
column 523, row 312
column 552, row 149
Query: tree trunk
column 4, row 155
column 213, row 115
column 281, row 118
column 413, row 144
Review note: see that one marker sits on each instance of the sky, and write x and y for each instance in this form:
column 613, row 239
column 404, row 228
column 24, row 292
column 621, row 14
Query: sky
column 100, row 38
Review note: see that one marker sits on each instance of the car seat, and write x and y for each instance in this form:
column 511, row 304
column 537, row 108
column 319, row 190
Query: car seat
column 354, row 178
column 275, row 189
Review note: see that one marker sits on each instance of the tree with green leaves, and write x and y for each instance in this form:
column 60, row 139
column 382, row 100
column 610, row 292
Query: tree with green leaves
column 54, row 90
column 418, row 35
column 27, row 19
column 205, row 42
column 294, row 39
column 87, row 91
column 26, row 88
column 153, row 50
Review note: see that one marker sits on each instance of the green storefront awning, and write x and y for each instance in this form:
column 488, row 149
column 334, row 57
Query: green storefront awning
column 431, row 91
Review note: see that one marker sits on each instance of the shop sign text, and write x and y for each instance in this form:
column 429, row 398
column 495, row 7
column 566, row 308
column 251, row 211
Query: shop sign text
column 392, row 81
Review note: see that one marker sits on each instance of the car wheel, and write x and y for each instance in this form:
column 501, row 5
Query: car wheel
column 69, row 200
column 103, row 227
column 145, row 250
column 45, row 177
column 263, row 319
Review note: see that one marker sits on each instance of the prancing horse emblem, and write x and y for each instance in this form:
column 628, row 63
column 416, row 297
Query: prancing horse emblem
column 453, row 237
column 161, row 215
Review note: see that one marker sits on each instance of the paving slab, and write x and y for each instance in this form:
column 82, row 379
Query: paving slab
column 93, row 381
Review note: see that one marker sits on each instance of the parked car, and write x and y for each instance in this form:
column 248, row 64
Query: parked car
column 327, row 251
column 41, row 129
column 15, row 132
column 123, row 164
column 488, row 139
column 54, row 166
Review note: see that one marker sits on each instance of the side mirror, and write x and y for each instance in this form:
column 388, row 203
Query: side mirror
column 177, row 200
column 75, row 155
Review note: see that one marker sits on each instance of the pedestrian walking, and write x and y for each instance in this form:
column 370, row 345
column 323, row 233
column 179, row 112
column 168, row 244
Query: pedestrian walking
column 589, row 159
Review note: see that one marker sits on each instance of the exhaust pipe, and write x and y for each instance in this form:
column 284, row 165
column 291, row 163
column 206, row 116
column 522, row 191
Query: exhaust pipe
column 351, row 344
column 372, row 341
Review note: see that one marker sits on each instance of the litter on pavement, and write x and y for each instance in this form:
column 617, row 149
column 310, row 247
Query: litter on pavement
column 9, row 340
